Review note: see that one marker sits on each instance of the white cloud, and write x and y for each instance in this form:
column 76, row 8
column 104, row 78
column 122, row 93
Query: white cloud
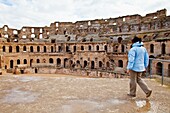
column 18, row 13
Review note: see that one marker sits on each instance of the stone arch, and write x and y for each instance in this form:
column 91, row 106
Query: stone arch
column 24, row 36
column 23, row 29
column 105, row 48
column 52, row 49
column 100, row 64
column 123, row 48
column 78, row 62
column 5, row 28
column 24, row 48
column 89, row 23
column 18, row 61
column 31, row 49
column 115, row 48
column 11, row 63
column 163, row 47
column 17, row 49
column 32, row 30
column 4, row 49
column 7, row 36
column 41, row 30
column 107, row 64
column 51, row 60
column 31, row 61
column 32, row 35
column 38, row 60
column 92, row 64
column 119, row 39
column 89, row 47
column 41, row 36
column 5, row 66
column 25, row 61
column 151, row 48
column 120, row 63
column 65, row 62
column 159, row 68
column 10, row 49
column 38, row 48
column 97, row 48
column 70, row 63
column 44, row 60
column 59, row 49
column 58, row 62
column 68, row 37
column 45, row 49
column 85, row 63
column 65, row 31
column 82, row 48
column 15, row 32
column 74, row 48
column 36, row 70
column 67, row 49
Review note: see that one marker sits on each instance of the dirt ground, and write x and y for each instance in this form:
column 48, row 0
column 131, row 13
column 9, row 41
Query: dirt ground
column 75, row 94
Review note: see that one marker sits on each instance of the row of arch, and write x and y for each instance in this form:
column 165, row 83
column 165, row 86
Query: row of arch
column 92, row 64
column 60, row 48
column 67, row 63
column 163, row 48
column 160, row 69
column 25, row 49
column 90, row 48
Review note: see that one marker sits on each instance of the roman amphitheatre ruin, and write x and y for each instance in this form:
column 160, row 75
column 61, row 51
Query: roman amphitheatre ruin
column 96, row 47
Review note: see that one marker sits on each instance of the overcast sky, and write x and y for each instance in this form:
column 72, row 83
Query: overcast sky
column 40, row 13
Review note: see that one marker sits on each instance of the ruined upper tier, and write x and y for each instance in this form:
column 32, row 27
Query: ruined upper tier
column 129, row 24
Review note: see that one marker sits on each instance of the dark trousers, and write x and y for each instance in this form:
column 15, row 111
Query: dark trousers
column 135, row 77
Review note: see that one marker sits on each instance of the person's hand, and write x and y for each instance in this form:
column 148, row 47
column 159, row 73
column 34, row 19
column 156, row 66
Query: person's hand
column 127, row 71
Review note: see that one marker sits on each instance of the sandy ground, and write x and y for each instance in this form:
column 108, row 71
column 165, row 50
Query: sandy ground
column 74, row 94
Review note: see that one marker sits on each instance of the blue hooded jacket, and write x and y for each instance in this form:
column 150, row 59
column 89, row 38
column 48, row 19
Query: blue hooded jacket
column 138, row 58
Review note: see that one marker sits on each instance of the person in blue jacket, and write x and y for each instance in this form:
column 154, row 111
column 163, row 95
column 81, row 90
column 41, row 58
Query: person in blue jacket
column 138, row 61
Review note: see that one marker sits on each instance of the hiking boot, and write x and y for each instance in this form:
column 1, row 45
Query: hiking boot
column 130, row 95
column 148, row 94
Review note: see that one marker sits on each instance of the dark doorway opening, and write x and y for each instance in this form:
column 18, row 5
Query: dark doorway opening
column 36, row 70
column 22, row 71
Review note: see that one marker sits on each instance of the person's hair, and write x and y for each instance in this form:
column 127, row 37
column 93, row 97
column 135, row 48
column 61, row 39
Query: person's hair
column 136, row 39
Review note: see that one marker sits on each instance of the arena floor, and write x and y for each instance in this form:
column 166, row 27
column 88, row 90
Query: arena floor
column 74, row 94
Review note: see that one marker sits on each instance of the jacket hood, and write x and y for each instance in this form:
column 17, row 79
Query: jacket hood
column 137, row 44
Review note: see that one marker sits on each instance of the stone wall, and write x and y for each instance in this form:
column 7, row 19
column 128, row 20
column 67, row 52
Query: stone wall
column 100, row 44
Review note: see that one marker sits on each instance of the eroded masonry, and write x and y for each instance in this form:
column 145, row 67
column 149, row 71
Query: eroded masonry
column 91, row 48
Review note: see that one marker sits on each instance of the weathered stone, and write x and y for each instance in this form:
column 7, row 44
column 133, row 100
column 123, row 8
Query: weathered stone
column 89, row 45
